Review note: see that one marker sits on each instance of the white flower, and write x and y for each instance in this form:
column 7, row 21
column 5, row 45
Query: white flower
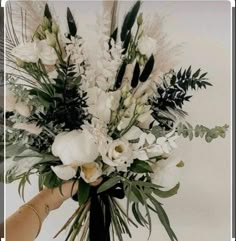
column 64, row 172
column 10, row 100
column 30, row 127
column 117, row 153
column 128, row 115
column 166, row 173
column 23, row 109
column 31, row 52
column 46, row 53
column 99, row 103
column 147, row 45
column 91, row 172
column 75, row 148
column 27, row 52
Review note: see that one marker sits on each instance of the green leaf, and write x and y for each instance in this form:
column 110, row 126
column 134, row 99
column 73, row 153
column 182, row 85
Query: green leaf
column 136, row 215
column 83, row 191
column 141, row 167
column 165, row 194
column 109, row 184
column 163, row 218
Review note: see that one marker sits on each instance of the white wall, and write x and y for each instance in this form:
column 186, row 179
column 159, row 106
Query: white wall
column 201, row 210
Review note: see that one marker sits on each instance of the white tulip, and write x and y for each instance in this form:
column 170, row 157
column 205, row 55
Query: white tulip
column 75, row 148
column 64, row 172
column 91, row 172
column 30, row 127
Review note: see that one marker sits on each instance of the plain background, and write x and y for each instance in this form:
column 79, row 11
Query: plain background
column 201, row 210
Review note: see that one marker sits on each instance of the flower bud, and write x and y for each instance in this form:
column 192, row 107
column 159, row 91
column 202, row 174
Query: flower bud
column 45, row 24
column 51, row 39
column 140, row 19
column 128, row 100
column 55, row 28
column 139, row 109
column 20, row 63
column 125, row 90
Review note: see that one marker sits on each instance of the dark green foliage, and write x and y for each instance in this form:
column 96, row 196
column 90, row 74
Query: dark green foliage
column 71, row 23
column 41, row 142
column 173, row 93
column 120, row 76
column 83, row 192
column 147, row 69
column 135, row 78
column 47, row 12
column 140, row 167
column 67, row 106
column 129, row 20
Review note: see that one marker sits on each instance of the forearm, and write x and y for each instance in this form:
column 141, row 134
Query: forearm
column 27, row 220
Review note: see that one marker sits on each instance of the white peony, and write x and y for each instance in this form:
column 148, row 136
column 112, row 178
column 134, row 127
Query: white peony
column 75, row 148
column 117, row 153
column 147, row 45
column 91, row 172
column 64, row 172
column 31, row 52
column 30, row 127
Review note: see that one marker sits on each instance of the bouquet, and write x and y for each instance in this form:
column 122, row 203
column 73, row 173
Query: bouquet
column 107, row 115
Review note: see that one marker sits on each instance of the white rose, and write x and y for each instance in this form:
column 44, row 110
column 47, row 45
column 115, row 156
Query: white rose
column 31, row 52
column 75, row 148
column 30, row 127
column 23, row 109
column 118, row 154
column 91, row 172
column 147, row 46
column 166, row 173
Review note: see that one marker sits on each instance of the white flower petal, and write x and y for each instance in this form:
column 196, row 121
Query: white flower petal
column 27, row 52
column 64, row 172
column 46, row 53
column 133, row 134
